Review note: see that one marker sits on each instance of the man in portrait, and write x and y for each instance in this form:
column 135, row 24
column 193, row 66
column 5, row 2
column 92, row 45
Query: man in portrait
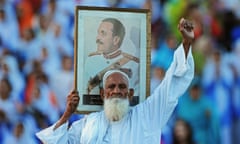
column 110, row 55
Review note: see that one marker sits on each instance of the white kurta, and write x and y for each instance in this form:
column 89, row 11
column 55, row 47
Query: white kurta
column 143, row 123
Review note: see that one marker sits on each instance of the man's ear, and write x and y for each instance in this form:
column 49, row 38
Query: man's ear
column 116, row 40
column 101, row 93
column 130, row 94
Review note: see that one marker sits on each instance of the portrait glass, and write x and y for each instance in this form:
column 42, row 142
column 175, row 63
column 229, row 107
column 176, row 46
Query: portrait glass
column 110, row 38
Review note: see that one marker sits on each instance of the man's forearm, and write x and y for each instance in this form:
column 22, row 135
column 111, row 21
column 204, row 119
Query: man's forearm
column 61, row 121
column 186, row 47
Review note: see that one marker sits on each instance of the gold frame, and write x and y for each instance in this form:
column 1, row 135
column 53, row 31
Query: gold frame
column 85, row 16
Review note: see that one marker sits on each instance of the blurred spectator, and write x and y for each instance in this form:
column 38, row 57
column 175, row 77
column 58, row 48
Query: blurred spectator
column 8, row 6
column 7, row 107
column 217, row 83
column 19, row 135
column 182, row 133
column 4, row 126
column 172, row 12
column 64, row 76
column 25, row 15
column 28, row 49
column 212, row 20
column 235, row 89
column 194, row 13
column 233, row 5
column 197, row 110
column 10, row 69
column 9, row 32
column 39, row 97
column 229, row 23
column 201, row 51
column 57, row 12
column 164, row 54
column 158, row 74
column 43, row 99
column 60, row 42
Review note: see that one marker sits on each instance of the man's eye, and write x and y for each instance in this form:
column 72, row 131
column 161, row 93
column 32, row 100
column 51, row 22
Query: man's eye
column 111, row 86
column 122, row 86
column 103, row 33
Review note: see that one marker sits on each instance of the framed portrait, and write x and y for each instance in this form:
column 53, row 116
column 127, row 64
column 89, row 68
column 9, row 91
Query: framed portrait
column 106, row 39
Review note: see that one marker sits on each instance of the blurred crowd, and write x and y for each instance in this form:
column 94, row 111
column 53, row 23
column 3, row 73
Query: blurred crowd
column 36, row 66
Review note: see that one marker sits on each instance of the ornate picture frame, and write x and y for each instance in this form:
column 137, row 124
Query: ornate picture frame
column 91, row 62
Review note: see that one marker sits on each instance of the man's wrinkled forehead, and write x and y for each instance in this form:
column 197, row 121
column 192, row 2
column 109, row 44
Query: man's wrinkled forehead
column 110, row 72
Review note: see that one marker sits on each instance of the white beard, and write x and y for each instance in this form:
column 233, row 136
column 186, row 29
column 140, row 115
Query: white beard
column 116, row 108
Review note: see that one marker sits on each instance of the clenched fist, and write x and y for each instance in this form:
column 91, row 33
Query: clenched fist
column 186, row 29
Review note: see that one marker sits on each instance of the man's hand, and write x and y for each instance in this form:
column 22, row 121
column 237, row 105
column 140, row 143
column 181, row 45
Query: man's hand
column 186, row 29
column 72, row 103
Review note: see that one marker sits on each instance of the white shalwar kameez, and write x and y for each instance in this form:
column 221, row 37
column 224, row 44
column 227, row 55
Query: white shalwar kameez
column 142, row 124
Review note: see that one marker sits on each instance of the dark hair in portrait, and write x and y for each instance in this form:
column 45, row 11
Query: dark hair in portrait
column 118, row 28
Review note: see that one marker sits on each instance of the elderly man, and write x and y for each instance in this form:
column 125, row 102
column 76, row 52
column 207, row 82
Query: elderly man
column 118, row 123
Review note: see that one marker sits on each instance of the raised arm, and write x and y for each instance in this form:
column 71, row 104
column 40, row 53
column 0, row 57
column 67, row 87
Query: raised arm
column 159, row 106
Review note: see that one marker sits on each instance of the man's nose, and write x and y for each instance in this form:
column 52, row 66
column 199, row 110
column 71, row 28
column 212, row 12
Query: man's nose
column 116, row 89
column 98, row 37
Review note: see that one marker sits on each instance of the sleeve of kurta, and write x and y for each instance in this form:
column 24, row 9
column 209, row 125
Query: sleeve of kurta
column 159, row 106
column 62, row 135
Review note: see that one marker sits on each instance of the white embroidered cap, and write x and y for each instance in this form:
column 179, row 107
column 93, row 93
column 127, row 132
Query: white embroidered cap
column 110, row 72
